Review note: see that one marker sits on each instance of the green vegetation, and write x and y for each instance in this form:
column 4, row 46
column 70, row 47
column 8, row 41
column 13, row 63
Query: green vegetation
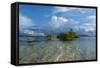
column 50, row 37
column 68, row 36
column 71, row 35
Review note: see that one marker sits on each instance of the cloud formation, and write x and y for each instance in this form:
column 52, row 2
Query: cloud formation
column 66, row 9
column 63, row 9
column 57, row 22
column 90, row 25
column 25, row 22
column 34, row 33
column 59, row 19
column 61, row 24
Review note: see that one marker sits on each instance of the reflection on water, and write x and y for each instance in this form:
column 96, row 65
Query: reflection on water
column 53, row 51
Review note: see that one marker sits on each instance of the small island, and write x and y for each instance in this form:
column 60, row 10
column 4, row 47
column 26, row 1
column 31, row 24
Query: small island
column 70, row 35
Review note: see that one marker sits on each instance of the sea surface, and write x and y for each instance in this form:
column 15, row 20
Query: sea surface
column 41, row 50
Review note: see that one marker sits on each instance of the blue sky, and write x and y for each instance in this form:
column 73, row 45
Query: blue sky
column 56, row 19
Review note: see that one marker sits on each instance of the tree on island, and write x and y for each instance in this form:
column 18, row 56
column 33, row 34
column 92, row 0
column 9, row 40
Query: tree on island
column 68, row 35
column 49, row 36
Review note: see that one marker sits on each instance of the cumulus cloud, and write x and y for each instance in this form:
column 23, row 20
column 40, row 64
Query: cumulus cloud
column 59, row 23
column 63, row 24
column 25, row 22
column 90, row 25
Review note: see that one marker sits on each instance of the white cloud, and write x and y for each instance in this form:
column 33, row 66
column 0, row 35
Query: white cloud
column 66, row 9
column 63, row 9
column 25, row 22
column 60, row 10
column 90, row 25
column 57, row 22
column 62, row 23
column 33, row 33
column 92, row 19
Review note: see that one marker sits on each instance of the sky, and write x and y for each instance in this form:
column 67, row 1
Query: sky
column 56, row 19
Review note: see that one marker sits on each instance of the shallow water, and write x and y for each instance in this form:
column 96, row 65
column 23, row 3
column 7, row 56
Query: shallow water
column 83, row 48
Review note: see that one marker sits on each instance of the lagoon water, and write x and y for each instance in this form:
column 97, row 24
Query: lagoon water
column 83, row 48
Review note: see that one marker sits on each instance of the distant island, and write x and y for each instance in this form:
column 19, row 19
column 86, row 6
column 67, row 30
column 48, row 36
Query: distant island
column 63, row 36
column 71, row 35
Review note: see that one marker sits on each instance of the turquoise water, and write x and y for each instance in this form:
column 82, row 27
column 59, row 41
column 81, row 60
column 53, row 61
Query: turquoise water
column 83, row 48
